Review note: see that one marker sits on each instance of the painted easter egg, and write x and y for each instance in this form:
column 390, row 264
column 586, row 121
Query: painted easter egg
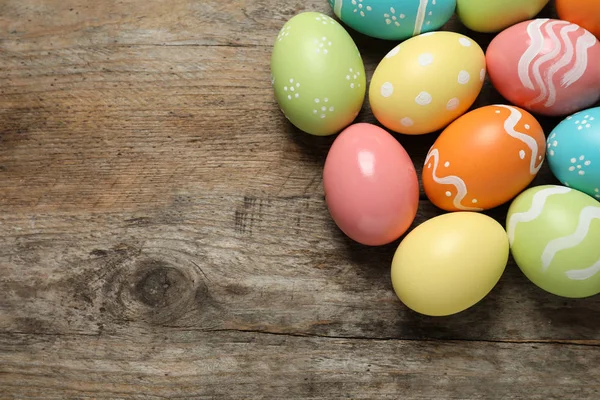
column 426, row 82
column 554, row 232
column 585, row 13
column 317, row 74
column 371, row 186
column 574, row 151
column 484, row 159
column 449, row 263
column 546, row 66
column 392, row 19
column 492, row 16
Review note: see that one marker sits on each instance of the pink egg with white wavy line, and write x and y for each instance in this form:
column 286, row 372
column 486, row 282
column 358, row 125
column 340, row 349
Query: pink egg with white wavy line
column 546, row 66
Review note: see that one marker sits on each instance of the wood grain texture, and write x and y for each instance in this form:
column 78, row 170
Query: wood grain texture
column 178, row 364
column 163, row 231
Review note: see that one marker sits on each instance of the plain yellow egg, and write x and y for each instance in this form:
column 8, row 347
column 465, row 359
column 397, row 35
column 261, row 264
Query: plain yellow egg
column 449, row 263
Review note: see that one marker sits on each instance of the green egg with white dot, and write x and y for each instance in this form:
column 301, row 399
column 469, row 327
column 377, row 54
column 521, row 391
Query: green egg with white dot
column 554, row 237
column 574, row 151
column 318, row 74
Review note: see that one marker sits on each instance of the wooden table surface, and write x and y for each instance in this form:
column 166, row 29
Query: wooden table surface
column 163, row 230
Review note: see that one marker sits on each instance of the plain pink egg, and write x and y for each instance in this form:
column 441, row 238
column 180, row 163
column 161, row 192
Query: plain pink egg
column 371, row 186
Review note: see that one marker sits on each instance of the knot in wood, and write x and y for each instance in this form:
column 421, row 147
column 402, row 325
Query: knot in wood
column 154, row 289
column 161, row 286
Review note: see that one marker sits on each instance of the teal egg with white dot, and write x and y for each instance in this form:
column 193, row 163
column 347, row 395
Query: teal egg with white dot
column 574, row 151
column 393, row 19
column 317, row 74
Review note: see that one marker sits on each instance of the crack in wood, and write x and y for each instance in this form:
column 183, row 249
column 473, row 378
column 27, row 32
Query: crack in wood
column 567, row 342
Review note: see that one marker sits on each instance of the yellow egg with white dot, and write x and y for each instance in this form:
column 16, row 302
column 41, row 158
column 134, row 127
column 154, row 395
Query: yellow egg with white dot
column 426, row 82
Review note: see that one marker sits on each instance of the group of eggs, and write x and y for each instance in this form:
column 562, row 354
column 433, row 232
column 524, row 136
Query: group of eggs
column 483, row 158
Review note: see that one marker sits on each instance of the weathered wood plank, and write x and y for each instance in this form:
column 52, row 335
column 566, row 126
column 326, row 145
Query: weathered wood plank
column 246, row 263
column 176, row 364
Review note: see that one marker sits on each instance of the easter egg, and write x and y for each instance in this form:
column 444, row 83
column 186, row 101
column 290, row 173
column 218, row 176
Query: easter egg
column 392, row 19
column 554, row 234
column 492, row 16
column 317, row 74
column 546, row 66
column 426, row 82
column 484, row 159
column 371, row 186
column 574, row 151
column 585, row 13
column 449, row 263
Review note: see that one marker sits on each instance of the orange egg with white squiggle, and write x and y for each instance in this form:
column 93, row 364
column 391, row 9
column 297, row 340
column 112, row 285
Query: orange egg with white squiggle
column 484, row 159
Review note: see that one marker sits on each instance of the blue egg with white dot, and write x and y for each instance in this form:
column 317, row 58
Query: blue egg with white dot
column 394, row 19
column 573, row 152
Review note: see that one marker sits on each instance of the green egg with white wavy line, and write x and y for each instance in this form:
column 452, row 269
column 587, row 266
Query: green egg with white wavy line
column 554, row 236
